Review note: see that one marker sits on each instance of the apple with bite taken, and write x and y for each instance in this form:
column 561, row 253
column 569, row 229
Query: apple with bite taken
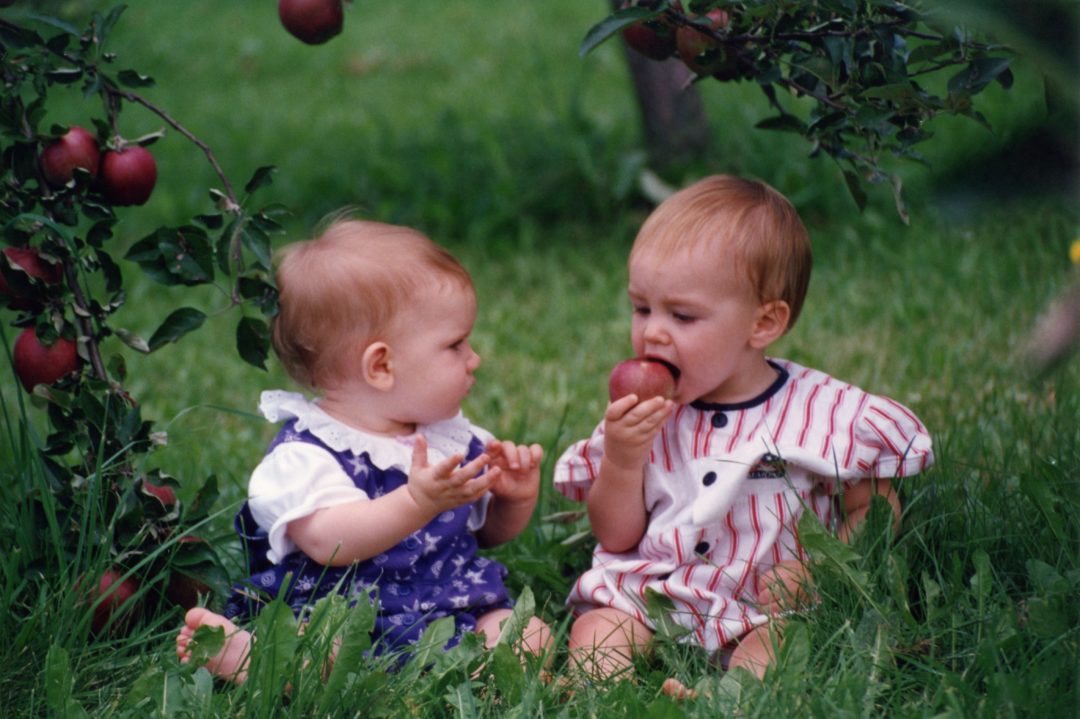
column 642, row 376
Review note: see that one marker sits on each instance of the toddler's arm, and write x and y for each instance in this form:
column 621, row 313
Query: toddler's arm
column 514, row 490
column 355, row 531
column 617, row 499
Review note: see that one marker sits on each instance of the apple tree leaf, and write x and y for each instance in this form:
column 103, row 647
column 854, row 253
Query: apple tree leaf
column 253, row 341
column 612, row 24
column 176, row 325
column 262, row 177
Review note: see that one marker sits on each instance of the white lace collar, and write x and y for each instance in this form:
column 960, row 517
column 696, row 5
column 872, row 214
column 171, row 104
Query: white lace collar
column 444, row 438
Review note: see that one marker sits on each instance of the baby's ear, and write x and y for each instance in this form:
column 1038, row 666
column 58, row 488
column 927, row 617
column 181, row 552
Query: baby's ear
column 377, row 367
column 770, row 324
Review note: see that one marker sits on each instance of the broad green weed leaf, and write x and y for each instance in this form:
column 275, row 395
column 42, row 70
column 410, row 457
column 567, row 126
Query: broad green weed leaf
column 514, row 626
column 58, row 685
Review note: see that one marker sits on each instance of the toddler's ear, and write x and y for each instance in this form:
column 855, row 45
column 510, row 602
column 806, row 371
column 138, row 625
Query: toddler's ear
column 376, row 366
column 770, row 324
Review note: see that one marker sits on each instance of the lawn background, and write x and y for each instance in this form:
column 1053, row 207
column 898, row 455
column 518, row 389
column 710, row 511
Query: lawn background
column 479, row 123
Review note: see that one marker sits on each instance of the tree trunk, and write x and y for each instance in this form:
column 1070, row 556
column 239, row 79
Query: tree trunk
column 673, row 118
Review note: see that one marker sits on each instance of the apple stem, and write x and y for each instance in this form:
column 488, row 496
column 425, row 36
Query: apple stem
column 211, row 158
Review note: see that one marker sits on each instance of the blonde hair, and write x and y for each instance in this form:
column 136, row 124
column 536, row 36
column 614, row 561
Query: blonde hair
column 348, row 284
column 757, row 225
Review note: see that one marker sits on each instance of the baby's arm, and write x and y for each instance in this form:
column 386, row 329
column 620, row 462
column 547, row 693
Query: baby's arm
column 514, row 490
column 787, row 580
column 617, row 498
column 355, row 531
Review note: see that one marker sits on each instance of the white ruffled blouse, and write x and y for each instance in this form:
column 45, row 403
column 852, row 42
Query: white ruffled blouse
column 297, row 479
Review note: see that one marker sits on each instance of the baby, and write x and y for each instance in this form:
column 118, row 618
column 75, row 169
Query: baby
column 698, row 497
column 378, row 489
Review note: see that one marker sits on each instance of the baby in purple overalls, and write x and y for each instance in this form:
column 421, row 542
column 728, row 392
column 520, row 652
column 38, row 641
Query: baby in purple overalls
column 379, row 489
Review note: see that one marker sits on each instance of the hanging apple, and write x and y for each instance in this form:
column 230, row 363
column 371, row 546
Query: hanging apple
column 312, row 21
column 77, row 148
column 699, row 50
column 36, row 363
column 29, row 260
column 128, row 175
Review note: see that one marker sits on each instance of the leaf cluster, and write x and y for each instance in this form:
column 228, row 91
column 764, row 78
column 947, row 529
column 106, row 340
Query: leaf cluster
column 96, row 450
column 858, row 79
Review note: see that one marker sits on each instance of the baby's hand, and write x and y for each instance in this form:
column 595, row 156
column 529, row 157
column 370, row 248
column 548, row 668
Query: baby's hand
column 785, row 586
column 630, row 427
column 437, row 488
column 517, row 470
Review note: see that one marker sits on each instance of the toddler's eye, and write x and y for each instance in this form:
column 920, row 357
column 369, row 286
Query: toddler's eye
column 641, row 310
column 680, row 317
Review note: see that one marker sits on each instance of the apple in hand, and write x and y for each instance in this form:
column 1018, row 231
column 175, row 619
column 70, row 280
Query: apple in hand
column 128, row 175
column 647, row 378
column 312, row 21
column 29, row 260
column 36, row 363
column 77, row 148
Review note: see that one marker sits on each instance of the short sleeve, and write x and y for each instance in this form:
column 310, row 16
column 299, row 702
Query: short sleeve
column 890, row 441
column 579, row 465
column 293, row 481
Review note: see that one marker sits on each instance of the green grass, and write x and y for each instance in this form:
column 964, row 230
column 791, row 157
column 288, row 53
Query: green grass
column 479, row 124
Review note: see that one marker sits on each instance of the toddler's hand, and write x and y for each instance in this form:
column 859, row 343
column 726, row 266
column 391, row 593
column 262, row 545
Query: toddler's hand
column 785, row 586
column 439, row 487
column 630, row 427
column 517, row 469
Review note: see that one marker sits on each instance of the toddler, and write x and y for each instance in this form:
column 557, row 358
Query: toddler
column 698, row 497
column 379, row 488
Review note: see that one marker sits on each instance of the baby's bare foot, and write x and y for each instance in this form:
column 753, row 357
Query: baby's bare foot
column 677, row 690
column 231, row 662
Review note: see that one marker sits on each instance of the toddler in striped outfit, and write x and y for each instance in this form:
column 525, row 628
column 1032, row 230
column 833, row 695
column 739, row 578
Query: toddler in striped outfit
column 698, row 497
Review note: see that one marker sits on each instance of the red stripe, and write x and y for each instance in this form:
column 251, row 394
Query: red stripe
column 790, row 389
column 695, row 447
column 808, row 414
column 825, row 449
column 851, row 432
column 737, row 430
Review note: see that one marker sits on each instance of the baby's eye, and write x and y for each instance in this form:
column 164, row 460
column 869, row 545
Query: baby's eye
column 681, row 317
column 639, row 310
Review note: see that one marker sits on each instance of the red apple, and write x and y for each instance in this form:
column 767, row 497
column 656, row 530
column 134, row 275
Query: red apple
column 644, row 377
column 700, row 51
column 128, row 175
column 655, row 44
column 37, row 364
column 312, row 21
column 117, row 599
column 29, row 260
column 77, row 148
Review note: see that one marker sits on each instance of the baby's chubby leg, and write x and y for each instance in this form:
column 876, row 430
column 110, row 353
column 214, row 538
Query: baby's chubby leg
column 603, row 642
column 535, row 639
column 231, row 662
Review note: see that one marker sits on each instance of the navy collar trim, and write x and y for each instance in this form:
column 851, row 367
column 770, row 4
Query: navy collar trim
column 781, row 379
